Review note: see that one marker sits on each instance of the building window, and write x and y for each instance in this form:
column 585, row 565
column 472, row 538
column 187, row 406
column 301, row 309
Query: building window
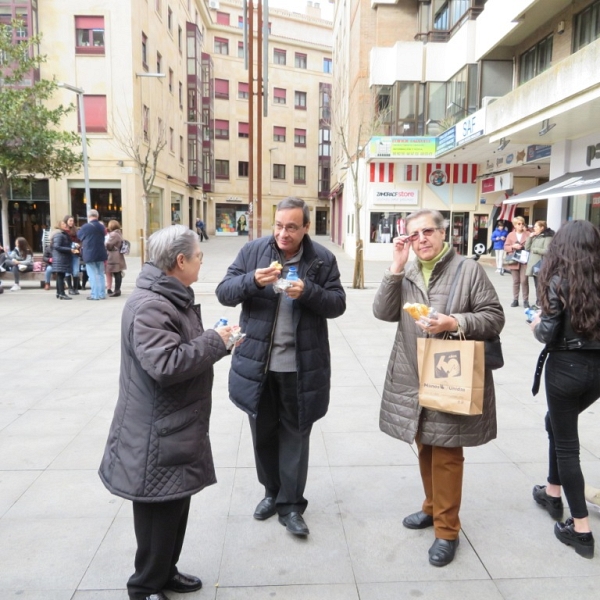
column 299, row 174
column 158, row 6
column 327, row 65
column 95, row 114
column 180, row 95
column 169, row 19
column 145, row 121
column 243, row 168
column 222, row 89
column 171, row 80
column 221, row 129
column 300, row 100
column 221, row 169
column 279, row 96
column 158, row 62
column 179, row 38
column 171, row 140
column 242, row 90
column 240, row 49
column 221, row 45
column 586, row 26
column 222, row 18
column 89, row 35
column 243, row 130
column 278, row 171
column 536, row 60
column 279, row 134
column 181, row 149
column 300, row 60
column 279, row 57
column 300, row 138
column 144, row 51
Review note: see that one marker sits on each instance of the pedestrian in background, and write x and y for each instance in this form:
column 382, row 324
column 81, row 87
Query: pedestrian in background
column 19, row 260
column 537, row 245
column 498, row 238
column 94, row 254
column 476, row 313
column 115, row 264
column 61, row 258
column 569, row 325
column 158, row 451
column 281, row 374
column 516, row 240
column 72, row 275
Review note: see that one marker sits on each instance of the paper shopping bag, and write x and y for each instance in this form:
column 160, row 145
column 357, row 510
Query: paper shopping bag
column 451, row 375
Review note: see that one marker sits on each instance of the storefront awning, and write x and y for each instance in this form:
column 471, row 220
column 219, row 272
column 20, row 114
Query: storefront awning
column 570, row 184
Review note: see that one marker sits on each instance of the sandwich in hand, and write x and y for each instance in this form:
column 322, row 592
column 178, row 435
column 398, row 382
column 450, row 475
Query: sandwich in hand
column 416, row 310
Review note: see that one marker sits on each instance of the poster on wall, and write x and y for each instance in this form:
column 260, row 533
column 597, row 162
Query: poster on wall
column 226, row 220
column 241, row 223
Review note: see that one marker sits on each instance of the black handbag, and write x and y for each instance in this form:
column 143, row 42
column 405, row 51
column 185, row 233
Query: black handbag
column 493, row 347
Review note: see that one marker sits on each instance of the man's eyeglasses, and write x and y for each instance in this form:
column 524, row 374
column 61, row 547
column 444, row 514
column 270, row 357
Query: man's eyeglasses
column 414, row 236
column 291, row 228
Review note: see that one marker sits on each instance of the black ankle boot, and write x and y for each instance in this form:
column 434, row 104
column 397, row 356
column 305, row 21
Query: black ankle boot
column 582, row 542
column 63, row 297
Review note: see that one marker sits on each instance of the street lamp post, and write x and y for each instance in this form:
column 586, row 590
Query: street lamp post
column 86, row 174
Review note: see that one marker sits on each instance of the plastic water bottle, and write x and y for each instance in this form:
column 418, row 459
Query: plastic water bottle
column 530, row 314
column 292, row 276
column 222, row 322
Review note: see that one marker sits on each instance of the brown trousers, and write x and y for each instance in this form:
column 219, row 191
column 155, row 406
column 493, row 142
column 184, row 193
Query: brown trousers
column 442, row 476
column 520, row 280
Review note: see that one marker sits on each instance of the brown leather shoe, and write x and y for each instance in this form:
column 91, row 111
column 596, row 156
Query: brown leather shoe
column 46, row 286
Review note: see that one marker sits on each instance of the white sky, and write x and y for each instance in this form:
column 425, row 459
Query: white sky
column 300, row 6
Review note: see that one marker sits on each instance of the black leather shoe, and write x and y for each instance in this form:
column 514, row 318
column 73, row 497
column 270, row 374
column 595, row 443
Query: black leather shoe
column 442, row 552
column 182, row 583
column 294, row 523
column 553, row 505
column 582, row 542
column 158, row 596
column 265, row 509
column 514, row 303
column 526, row 304
column 418, row 520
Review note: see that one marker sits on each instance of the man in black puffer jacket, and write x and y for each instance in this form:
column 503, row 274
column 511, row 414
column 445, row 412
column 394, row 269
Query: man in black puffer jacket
column 281, row 374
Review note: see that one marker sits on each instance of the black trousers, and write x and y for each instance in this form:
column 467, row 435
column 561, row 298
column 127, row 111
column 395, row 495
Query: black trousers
column 572, row 385
column 159, row 531
column 280, row 448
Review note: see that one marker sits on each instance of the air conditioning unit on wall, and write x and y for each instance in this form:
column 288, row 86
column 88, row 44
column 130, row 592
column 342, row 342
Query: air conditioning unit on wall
column 486, row 99
column 213, row 4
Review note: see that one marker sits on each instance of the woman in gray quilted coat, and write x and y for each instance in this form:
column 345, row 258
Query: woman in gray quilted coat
column 158, row 450
column 440, row 437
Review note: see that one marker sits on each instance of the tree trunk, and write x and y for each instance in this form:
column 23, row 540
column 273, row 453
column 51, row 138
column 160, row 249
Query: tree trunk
column 358, row 283
column 4, row 200
column 146, row 227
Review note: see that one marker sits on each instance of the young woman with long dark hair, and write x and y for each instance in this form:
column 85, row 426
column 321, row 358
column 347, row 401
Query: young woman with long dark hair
column 569, row 325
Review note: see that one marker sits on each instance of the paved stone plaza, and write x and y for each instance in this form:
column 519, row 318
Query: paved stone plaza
column 63, row 536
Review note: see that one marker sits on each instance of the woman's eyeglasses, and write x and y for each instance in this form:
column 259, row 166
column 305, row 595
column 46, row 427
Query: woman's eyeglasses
column 414, row 236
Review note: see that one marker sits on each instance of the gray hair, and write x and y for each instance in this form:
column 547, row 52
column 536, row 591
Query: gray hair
column 93, row 214
column 436, row 215
column 293, row 202
column 165, row 245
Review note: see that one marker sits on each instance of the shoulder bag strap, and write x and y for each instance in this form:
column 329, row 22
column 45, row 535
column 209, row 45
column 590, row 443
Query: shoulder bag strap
column 453, row 287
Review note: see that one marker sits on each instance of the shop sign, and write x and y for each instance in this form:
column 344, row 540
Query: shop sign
column 596, row 201
column 498, row 183
column 537, row 152
column 470, row 128
column 591, row 153
column 394, row 196
column 401, row 147
column 233, row 199
column 446, row 141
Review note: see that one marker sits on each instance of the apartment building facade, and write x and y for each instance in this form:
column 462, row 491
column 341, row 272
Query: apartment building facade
column 474, row 102
column 151, row 72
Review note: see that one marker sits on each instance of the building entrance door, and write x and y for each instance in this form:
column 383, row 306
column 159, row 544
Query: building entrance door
column 321, row 222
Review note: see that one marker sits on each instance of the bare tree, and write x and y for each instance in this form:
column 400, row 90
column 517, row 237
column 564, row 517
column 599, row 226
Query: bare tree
column 352, row 147
column 144, row 148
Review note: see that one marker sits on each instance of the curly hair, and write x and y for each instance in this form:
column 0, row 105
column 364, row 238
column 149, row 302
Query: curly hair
column 574, row 256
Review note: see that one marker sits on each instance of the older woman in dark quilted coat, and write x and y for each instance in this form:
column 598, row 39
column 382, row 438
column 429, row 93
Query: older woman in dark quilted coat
column 158, row 451
column 62, row 258
column 569, row 325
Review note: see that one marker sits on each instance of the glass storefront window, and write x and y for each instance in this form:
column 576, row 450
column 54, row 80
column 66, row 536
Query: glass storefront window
column 584, row 207
column 232, row 220
column 176, row 200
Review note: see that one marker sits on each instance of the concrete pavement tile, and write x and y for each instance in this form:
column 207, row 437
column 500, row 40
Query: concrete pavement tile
column 265, row 554
column 225, row 448
column 289, row 592
column 367, row 448
column 365, row 490
column 39, row 594
column 64, row 494
column 13, row 484
column 83, row 453
column 551, row 587
column 521, row 544
column 488, row 453
column 79, row 399
column 215, row 499
column 366, row 395
column 100, row 595
column 47, row 554
column 431, row 590
column 49, row 422
column 8, row 416
column 20, row 396
column 349, row 378
column 246, row 492
column 383, row 550
column 514, row 415
column 31, row 452
column 350, row 418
